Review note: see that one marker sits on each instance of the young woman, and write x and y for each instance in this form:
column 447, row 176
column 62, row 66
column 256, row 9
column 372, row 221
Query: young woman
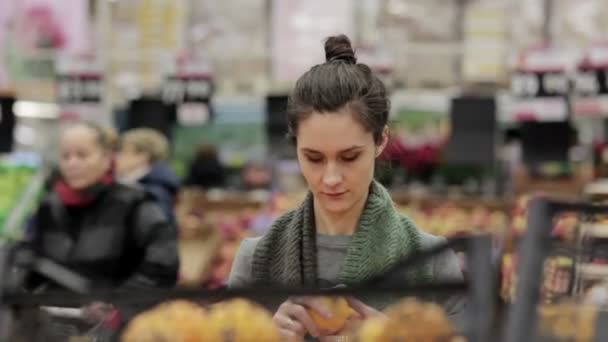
column 111, row 234
column 347, row 230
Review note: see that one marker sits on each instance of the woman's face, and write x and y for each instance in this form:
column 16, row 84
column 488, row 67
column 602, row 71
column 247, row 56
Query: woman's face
column 129, row 159
column 83, row 161
column 337, row 158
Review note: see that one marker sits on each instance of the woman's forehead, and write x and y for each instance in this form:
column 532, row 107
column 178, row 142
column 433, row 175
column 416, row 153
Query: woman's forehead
column 332, row 132
column 78, row 134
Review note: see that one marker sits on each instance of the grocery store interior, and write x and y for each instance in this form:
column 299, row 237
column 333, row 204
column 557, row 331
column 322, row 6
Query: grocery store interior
column 177, row 170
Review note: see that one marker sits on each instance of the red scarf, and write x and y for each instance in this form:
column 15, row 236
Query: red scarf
column 81, row 198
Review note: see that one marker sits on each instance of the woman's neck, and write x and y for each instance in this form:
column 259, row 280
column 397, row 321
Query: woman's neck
column 343, row 223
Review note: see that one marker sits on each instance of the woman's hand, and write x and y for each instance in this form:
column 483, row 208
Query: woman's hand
column 363, row 312
column 293, row 319
column 97, row 312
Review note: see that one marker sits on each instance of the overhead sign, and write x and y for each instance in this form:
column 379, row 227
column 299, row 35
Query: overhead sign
column 189, row 85
column 187, row 88
column 540, row 85
column 591, row 83
column 80, row 89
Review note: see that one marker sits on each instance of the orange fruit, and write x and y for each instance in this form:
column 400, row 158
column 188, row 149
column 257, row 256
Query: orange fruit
column 239, row 320
column 177, row 321
column 409, row 320
column 340, row 310
column 372, row 330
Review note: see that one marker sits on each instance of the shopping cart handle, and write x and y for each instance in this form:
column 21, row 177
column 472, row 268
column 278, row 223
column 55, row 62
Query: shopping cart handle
column 63, row 276
column 63, row 312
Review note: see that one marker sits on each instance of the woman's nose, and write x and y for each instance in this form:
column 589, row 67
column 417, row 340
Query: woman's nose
column 71, row 161
column 332, row 175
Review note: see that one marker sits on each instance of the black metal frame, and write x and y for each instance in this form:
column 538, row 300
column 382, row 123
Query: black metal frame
column 5, row 309
column 480, row 288
column 536, row 246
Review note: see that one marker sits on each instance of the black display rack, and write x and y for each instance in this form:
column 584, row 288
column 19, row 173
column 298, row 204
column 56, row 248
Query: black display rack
column 535, row 248
column 478, row 287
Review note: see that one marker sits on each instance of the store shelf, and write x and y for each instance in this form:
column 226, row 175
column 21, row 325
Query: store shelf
column 597, row 188
column 596, row 271
column 404, row 197
column 591, row 230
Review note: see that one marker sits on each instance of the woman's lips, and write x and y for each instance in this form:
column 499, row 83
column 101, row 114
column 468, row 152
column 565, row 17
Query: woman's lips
column 334, row 194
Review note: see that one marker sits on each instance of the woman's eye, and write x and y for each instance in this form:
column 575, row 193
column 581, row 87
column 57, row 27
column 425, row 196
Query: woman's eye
column 315, row 159
column 81, row 155
column 350, row 158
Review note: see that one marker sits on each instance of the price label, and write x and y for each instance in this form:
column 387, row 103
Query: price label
column 76, row 89
column 592, row 82
column 187, row 89
column 586, row 83
column 555, row 84
column 539, row 84
column 591, row 86
column 525, row 85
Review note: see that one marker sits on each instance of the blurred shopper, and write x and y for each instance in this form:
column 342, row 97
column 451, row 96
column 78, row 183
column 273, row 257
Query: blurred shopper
column 112, row 137
column 111, row 234
column 206, row 170
column 347, row 231
column 142, row 160
column 257, row 175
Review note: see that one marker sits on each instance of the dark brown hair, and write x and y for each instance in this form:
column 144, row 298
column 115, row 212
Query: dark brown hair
column 337, row 84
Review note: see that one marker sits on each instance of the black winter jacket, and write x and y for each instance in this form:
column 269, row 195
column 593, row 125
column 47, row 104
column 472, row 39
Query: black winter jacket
column 162, row 183
column 122, row 240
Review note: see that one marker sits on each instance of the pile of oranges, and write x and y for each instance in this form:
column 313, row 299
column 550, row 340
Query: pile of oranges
column 232, row 321
column 409, row 321
column 243, row 321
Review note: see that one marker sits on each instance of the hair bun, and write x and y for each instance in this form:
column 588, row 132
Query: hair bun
column 339, row 48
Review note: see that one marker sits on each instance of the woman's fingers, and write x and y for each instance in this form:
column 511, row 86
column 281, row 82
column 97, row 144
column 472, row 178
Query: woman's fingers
column 365, row 311
column 315, row 304
column 294, row 317
column 97, row 311
column 286, row 323
column 299, row 313
column 288, row 335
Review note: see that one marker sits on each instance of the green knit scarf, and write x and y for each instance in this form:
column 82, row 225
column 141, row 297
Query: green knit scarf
column 286, row 255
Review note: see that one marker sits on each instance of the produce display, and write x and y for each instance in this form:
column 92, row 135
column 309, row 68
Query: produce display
column 232, row 321
column 568, row 321
column 409, row 321
column 450, row 220
column 174, row 321
column 210, row 234
column 209, row 238
column 13, row 181
column 592, row 271
column 558, row 269
column 240, row 320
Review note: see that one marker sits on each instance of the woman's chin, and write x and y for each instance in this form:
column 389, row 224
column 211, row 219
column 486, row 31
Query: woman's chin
column 79, row 185
column 336, row 207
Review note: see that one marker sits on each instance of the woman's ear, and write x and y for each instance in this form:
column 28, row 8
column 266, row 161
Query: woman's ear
column 384, row 142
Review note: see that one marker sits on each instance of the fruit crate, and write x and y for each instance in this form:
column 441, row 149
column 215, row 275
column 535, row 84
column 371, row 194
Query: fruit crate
column 478, row 288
